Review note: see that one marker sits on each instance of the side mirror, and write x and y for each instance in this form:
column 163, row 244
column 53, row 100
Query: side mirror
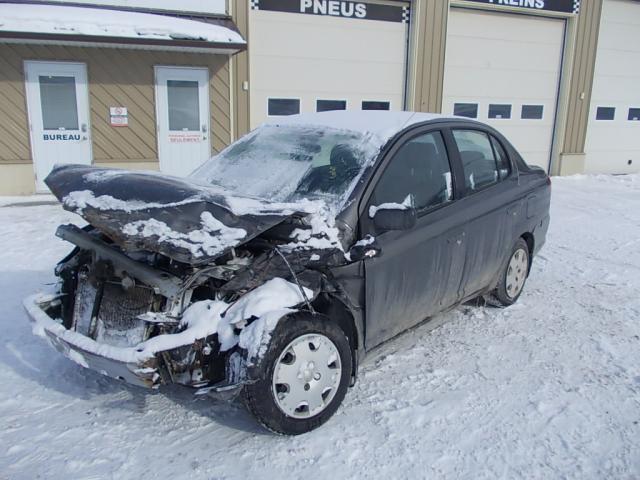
column 363, row 249
column 394, row 218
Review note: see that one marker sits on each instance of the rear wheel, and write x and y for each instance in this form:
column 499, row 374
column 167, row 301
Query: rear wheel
column 303, row 377
column 514, row 275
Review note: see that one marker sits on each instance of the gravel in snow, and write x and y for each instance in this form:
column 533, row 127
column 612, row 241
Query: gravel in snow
column 549, row 388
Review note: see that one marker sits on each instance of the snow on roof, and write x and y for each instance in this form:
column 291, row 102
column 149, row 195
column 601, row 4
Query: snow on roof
column 383, row 124
column 100, row 22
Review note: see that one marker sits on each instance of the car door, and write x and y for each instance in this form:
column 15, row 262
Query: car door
column 419, row 270
column 490, row 205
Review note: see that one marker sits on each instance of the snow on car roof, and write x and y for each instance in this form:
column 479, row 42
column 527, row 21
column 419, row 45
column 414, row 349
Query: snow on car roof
column 100, row 22
column 383, row 124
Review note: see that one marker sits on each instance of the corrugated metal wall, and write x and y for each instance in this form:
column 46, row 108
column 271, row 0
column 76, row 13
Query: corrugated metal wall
column 117, row 77
column 427, row 44
column 582, row 76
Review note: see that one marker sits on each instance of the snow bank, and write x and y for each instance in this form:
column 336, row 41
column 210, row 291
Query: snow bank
column 64, row 20
column 264, row 305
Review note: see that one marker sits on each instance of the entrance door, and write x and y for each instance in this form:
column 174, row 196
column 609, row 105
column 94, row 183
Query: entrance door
column 58, row 106
column 182, row 110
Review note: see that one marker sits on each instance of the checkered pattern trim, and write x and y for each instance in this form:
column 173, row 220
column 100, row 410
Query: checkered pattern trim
column 576, row 6
column 255, row 4
column 406, row 13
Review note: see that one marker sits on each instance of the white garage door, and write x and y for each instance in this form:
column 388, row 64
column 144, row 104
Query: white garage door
column 504, row 69
column 306, row 63
column 613, row 133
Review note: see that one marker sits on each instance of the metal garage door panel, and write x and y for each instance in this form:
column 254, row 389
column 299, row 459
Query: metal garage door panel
column 611, row 144
column 496, row 58
column 319, row 57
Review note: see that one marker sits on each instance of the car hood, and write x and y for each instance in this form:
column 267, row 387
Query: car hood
column 176, row 217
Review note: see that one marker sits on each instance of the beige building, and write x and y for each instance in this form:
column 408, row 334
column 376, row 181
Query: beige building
column 558, row 77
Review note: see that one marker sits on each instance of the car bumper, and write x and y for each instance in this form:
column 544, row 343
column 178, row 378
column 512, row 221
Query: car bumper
column 122, row 363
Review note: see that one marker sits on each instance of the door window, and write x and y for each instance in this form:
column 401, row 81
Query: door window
column 478, row 161
column 184, row 105
column 420, row 169
column 504, row 166
column 374, row 105
column 58, row 102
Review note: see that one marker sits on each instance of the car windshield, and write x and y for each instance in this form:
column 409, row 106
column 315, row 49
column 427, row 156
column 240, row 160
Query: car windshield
column 286, row 163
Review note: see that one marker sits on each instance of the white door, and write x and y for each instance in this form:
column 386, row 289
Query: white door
column 182, row 112
column 58, row 106
column 308, row 63
column 504, row 69
column 613, row 134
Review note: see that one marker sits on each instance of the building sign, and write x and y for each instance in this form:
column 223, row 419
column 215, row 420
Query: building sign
column 564, row 6
column 119, row 116
column 337, row 8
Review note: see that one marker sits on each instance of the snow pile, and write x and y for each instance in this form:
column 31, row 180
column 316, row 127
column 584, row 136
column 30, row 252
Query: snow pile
column 80, row 199
column 213, row 238
column 65, row 20
column 321, row 234
column 264, row 306
column 406, row 203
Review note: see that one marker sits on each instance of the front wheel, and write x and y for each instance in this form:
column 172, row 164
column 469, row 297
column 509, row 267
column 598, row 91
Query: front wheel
column 303, row 377
column 514, row 275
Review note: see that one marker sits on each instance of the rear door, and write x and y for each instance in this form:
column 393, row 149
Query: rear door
column 490, row 205
column 418, row 272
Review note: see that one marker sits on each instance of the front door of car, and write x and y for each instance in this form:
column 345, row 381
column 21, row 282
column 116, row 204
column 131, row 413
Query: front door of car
column 419, row 270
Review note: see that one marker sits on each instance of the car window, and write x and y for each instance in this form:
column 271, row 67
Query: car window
column 504, row 167
column 420, row 169
column 478, row 161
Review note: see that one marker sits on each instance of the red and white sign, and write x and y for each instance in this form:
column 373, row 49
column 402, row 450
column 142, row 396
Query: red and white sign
column 118, row 116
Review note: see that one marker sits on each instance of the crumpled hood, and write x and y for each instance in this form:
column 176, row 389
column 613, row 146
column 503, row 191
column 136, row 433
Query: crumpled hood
column 183, row 220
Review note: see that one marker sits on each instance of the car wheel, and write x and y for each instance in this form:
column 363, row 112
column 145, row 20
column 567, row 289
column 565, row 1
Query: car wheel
column 514, row 275
column 303, row 377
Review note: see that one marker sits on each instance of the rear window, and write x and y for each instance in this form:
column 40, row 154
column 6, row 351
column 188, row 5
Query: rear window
column 478, row 159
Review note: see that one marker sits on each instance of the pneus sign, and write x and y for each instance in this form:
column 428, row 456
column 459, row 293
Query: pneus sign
column 564, row 6
column 337, row 8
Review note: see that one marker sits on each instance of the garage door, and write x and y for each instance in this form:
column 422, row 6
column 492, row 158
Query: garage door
column 315, row 61
column 613, row 133
column 504, row 69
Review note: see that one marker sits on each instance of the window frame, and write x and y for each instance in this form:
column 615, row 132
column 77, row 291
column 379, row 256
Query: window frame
column 510, row 105
column 635, row 118
column 362, row 109
column 467, row 192
column 346, row 104
column 522, row 107
column 605, row 107
column 390, row 152
column 474, row 104
column 284, row 98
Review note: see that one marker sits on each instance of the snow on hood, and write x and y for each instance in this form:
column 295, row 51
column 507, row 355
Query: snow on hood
column 179, row 218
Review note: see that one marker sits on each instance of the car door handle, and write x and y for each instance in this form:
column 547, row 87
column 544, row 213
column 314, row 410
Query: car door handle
column 457, row 239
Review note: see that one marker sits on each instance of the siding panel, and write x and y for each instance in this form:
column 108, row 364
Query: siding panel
column 117, row 77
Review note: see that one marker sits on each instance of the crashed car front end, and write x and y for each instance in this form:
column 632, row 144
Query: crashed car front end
column 154, row 307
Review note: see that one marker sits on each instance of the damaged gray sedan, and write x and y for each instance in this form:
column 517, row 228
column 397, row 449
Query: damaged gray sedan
column 279, row 263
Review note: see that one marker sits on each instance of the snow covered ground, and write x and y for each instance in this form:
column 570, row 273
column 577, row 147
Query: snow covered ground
column 549, row 388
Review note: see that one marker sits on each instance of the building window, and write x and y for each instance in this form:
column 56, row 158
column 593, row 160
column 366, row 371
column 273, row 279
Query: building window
column 605, row 113
column 531, row 112
column 634, row 114
column 283, row 106
column 329, row 105
column 184, row 105
column 58, row 100
column 499, row 110
column 373, row 105
column 469, row 110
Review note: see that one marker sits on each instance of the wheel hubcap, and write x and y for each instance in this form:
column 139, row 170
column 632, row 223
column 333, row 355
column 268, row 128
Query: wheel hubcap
column 517, row 272
column 306, row 376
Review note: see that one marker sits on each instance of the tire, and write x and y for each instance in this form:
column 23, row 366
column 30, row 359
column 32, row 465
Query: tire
column 299, row 346
column 513, row 276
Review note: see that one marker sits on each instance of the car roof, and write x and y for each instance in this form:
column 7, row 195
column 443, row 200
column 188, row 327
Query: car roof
column 383, row 124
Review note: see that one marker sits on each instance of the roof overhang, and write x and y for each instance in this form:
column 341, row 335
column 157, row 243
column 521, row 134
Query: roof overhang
column 109, row 28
